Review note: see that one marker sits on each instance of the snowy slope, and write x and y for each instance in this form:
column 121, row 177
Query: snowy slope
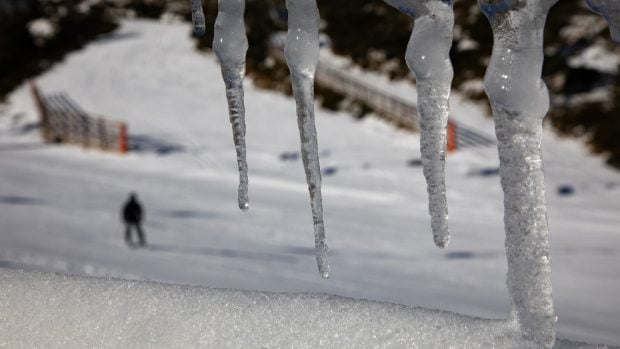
column 55, row 311
column 59, row 205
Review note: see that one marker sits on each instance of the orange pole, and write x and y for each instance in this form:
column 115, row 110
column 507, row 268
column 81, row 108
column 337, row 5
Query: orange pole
column 123, row 142
column 452, row 137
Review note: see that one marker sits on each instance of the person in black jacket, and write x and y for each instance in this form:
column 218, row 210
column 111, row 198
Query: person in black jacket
column 132, row 216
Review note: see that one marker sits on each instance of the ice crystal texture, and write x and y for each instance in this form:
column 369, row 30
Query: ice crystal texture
column 610, row 10
column 428, row 57
column 520, row 100
column 302, row 56
column 198, row 18
column 230, row 44
column 49, row 311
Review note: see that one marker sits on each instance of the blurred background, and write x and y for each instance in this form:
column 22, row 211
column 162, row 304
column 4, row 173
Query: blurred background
column 150, row 90
column 581, row 62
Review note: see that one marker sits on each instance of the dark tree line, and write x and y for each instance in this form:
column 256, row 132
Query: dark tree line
column 371, row 33
column 23, row 55
column 361, row 28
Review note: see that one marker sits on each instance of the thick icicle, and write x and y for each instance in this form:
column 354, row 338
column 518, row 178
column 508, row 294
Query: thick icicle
column 198, row 18
column 231, row 44
column 610, row 10
column 520, row 100
column 302, row 55
column 428, row 57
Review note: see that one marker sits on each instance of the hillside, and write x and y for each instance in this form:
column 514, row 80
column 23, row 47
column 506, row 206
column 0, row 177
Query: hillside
column 59, row 206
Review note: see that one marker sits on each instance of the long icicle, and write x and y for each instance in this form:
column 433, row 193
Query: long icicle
column 302, row 55
column 610, row 10
column 231, row 44
column 198, row 18
column 520, row 100
column 428, row 56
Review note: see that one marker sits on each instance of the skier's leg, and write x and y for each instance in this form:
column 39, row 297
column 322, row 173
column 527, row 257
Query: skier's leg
column 128, row 234
column 140, row 235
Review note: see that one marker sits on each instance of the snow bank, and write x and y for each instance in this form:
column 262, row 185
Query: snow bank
column 50, row 310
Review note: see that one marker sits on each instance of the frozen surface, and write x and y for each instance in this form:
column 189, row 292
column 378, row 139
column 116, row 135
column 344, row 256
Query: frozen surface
column 230, row 44
column 428, row 56
column 302, row 56
column 52, row 311
column 59, row 205
column 520, row 101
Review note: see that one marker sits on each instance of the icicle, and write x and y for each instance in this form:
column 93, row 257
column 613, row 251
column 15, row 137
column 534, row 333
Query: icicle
column 428, row 57
column 610, row 10
column 198, row 18
column 520, row 100
column 231, row 44
column 302, row 55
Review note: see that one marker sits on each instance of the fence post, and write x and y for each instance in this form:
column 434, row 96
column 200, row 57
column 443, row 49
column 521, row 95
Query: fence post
column 123, row 142
column 102, row 135
column 43, row 116
column 452, row 137
column 85, row 130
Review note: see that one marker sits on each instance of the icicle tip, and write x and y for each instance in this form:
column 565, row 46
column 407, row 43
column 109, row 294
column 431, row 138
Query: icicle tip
column 200, row 31
column 324, row 273
column 441, row 241
column 244, row 206
column 321, row 259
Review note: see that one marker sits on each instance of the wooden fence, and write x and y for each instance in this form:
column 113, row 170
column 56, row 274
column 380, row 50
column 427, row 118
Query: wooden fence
column 63, row 121
column 392, row 108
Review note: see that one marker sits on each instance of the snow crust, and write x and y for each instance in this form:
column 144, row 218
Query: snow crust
column 58, row 311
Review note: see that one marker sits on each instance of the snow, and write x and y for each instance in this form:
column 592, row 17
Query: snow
column 598, row 58
column 42, row 28
column 59, row 206
column 58, row 311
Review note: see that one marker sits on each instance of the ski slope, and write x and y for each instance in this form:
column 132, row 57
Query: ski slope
column 59, row 206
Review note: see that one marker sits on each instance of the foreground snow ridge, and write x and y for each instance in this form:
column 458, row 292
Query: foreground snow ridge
column 50, row 310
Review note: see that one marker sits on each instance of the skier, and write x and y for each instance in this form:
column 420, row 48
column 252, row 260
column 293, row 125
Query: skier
column 132, row 216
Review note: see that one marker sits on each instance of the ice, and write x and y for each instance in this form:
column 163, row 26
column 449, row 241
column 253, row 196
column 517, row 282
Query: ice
column 40, row 310
column 230, row 44
column 428, row 56
column 520, row 100
column 302, row 56
column 198, row 18
column 610, row 10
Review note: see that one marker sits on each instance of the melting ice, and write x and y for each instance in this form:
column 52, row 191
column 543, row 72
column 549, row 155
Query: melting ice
column 198, row 18
column 302, row 56
column 302, row 48
column 518, row 97
column 428, row 57
column 230, row 44
column 520, row 100
column 610, row 10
